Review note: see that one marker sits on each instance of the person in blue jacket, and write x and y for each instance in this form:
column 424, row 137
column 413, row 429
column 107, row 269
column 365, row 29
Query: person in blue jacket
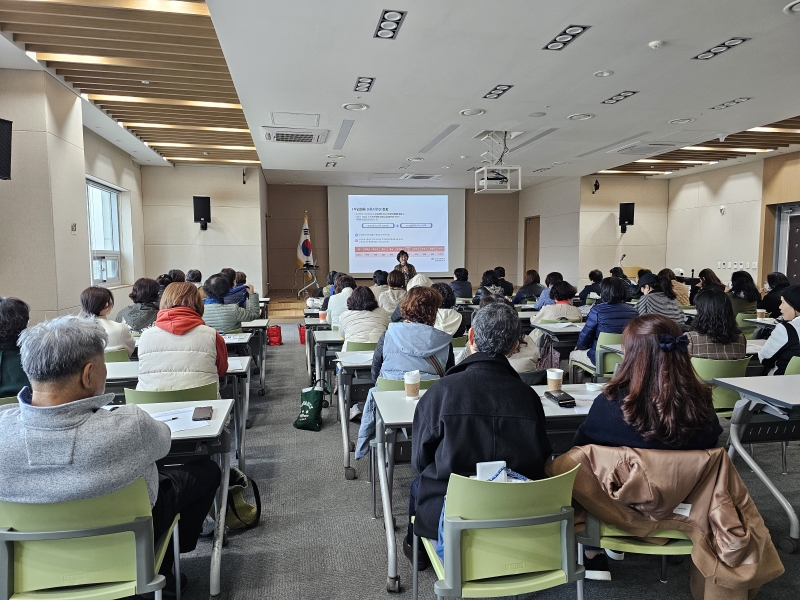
column 610, row 315
column 544, row 297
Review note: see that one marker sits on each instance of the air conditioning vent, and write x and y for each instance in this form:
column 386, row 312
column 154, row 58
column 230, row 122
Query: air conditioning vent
column 541, row 170
column 645, row 149
column 295, row 136
column 420, row 177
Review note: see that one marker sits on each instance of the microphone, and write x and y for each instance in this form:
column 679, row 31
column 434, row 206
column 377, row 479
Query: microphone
column 621, row 259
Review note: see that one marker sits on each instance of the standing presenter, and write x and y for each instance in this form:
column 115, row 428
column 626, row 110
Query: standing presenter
column 405, row 267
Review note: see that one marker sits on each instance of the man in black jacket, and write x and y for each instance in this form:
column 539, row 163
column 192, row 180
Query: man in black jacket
column 480, row 411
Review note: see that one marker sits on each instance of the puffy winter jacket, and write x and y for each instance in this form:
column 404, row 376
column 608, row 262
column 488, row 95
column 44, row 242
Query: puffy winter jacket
column 390, row 299
column 486, row 291
column 337, row 304
column 180, row 352
column 363, row 325
column 377, row 290
column 138, row 316
column 450, row 321
column 119, row 336
column 227, row 317
column 604, row 318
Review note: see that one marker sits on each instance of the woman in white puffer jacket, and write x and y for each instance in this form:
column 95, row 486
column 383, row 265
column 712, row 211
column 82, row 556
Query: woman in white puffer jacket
column 364, row 320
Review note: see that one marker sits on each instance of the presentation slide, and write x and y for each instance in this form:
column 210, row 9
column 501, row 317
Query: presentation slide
column 380, row 225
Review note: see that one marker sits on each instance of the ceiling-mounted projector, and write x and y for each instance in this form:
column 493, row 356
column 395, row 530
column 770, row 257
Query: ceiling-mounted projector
column 498, row 179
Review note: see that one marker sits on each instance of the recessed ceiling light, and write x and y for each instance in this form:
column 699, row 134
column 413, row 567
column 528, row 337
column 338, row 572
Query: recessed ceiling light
column 415, row 159
column 603, row 73
column 205, row 153
column 680, row 121
column 580, row 117
column 336, row 156
column 498, row 91
column 537, row 114
column 793, row 8
column 144, row 81
column 723, row 149
column 720, row 48
column 730, row 103
column 355, row 106
column 565, row 37
column 364, row 84
column 619, row 97
column 472, row 112
column 446, row 167
column 389, row 24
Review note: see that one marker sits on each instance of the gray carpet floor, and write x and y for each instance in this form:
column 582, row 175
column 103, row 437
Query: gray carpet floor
column 317, row 538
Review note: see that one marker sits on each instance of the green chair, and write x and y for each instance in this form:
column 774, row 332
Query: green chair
column 610, row 359
column 707, row 369
column 460, row 342
column 203, row 392
column 685, row 306
column 349, row 346
column 590, row 301
column 793, row 368
column 505, row 539
column 601, row 535
column 84, row 549
column 397, row 385
column 747, row 328
column 120, row 355
column 9, row 400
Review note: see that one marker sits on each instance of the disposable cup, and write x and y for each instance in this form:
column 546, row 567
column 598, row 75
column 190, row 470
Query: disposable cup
column 323, row 314
column 555, row 378
column 761, row 313
column 411, row 381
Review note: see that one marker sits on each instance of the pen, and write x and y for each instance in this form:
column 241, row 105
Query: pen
column 172, row 419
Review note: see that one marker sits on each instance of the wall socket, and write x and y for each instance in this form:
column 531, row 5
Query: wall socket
column 74, row 229
column 724, row 265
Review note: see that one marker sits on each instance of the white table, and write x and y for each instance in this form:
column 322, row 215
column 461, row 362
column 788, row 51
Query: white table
column 556, row 329
column 753, row 347
column 210, row 440
column 260, row 327
column 323, row 339
column 777, row 396
column 312, row 325
column 310, row 312
column 346, row 374
column 690, row 312
column 767, row 322
column 231, row 339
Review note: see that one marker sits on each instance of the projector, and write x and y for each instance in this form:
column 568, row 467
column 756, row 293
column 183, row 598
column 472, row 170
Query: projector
column 498, row 179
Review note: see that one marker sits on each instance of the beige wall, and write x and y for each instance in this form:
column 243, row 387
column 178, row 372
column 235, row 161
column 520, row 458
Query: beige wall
column 601, row 242
column 698, row 236
column 287, row 206
column 172, row 240
column 45, row 196
column 558, row 203
column 491, row 235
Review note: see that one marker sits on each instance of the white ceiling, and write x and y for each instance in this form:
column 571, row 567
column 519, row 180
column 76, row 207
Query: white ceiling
column 306, row 56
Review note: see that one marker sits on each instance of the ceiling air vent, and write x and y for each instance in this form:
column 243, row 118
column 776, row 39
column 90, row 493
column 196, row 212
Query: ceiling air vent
column 642, row 149
column 541, row 170
column 295, row 136
column 420, row 177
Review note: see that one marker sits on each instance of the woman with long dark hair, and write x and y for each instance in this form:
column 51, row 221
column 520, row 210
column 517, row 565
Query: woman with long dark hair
column 544, row 298
column 655, row 399
column 681, row 291
column 490, row 285
column 709, row 279
column 771, row 302
column 715, row 333
column 744, row 294
column 531, row 288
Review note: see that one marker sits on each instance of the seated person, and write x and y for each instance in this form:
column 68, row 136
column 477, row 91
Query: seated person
column 181, row 351
column 715, row 334
column 91, row 452
column 561, row 295
column 523, row 359
column 639, row 274
column 163, row 281
column 610, row 315
column 329, row 283
column 658, row 297
column 771, row 302
column 462, row 421
column 419, row 280
column 680, row 289
column 595, row 277
column 194, row 276
column 544, row 298
column 96, row 303
column 530, row 290
column 448, row 319
column 337, row 303
column 177, row 275
column 405, row 267
column 411, row 345
column 390, row 299
column 508, row 287
column 461, row 286
column 490, row 285
column 226, row 317
column 709, row 279
column 620, row 274
column 784, row 343
column 743, row 293
column 379, row 283
column 14, row 316
column 364, row 320
column 238, row 293
column 142, row 313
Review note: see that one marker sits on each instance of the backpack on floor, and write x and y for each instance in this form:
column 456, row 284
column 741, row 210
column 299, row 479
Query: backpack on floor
column 275, row 335
column 310, row 417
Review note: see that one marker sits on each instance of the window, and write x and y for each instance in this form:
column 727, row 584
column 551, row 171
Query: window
column 103, row 204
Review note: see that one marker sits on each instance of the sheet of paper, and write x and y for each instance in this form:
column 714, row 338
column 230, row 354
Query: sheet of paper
column 235, row 337
column 582, row 410
column 358, row 358
column 179, row 419
column 235, row 364
column 564, row 325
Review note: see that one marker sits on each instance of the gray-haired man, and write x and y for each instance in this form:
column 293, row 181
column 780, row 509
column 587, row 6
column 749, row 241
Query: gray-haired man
column 479, row 411
column 57, row 445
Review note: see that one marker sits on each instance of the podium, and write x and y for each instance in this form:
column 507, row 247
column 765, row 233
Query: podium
column 307, row 269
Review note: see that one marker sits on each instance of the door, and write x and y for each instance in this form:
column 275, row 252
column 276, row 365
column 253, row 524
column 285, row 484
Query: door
column 793, row 251
column 531, row 259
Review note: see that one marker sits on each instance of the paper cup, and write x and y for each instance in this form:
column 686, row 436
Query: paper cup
column 323, row 314
column 555, row 378
column 411, row 381
column 761, row 313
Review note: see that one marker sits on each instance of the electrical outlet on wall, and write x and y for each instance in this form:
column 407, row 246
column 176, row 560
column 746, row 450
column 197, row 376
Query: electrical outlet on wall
column 719, row 265
column 724, row 265
column 747, row 265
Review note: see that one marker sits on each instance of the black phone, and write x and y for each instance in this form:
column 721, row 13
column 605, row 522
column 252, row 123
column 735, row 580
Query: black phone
column 563, row 399
column 202, row 413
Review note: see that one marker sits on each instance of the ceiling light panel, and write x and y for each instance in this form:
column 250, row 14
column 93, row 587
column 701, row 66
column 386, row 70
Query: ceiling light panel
column 730, row 103
column 389, row 24
column 498, row 91
column 566, row 37
column 330, row 164
column 619, row 97
column 364, row 84
column 720, row 48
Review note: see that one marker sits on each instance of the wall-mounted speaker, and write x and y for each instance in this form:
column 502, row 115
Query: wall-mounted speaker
column 626, row 215
column 202, row 211
column 5, row 149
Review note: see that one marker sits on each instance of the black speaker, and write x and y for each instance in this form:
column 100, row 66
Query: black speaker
column 626, row 213
column 5, row 149
column 202, row 211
